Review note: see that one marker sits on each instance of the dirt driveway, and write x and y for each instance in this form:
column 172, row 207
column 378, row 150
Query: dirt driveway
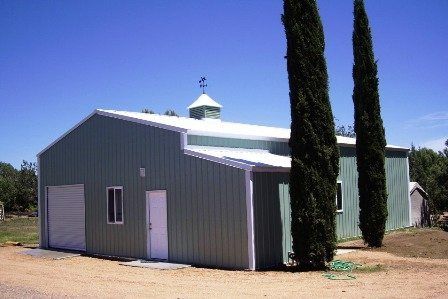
column 26, row 276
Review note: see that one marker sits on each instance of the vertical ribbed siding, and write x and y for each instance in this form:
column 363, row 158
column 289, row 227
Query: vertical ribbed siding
column 347, row 220
column 275, row 147
column 397, row 189
column 272, row 218
column 205, row 200
column 269, row 215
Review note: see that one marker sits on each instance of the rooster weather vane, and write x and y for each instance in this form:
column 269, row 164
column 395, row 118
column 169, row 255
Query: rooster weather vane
column 202, row 84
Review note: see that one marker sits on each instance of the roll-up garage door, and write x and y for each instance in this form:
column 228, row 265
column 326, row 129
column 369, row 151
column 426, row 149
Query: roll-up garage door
column 66, row 217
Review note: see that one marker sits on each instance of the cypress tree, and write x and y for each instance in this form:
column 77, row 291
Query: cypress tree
column 314, row 153
column 370, row 137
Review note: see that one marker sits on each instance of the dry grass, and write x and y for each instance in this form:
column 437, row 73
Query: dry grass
column 19, row 229
column 425, row 243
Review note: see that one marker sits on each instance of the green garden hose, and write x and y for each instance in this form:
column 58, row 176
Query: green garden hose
column 341, row 266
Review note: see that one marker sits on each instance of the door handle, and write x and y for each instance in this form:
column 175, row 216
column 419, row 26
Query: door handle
column 150, row 226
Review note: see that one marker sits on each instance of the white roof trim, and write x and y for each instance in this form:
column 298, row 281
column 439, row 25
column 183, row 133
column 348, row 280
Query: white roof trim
column 233, row 163
column 68, row 132
column 201, row 128
column 113, row 115
column 227, row 162
column 204, row 100
column 256, row 159
column 110, row 113
column 414, row 186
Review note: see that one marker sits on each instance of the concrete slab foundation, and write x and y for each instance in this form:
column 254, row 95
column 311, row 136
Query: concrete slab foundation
column 50, row 254
column 155, row 265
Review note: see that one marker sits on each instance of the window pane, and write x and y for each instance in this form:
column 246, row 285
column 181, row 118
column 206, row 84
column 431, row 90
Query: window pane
column 110, row 205
column 339, row 197
column 119, row 205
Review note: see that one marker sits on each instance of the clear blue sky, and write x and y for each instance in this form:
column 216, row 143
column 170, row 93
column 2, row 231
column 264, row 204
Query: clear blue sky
column 59, row 60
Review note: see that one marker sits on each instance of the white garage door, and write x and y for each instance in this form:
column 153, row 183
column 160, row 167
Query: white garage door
column 66, row 217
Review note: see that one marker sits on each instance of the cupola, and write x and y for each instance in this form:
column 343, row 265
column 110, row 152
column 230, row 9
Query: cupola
column 205, row 107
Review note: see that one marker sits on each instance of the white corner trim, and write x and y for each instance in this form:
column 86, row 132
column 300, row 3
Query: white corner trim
column 39, row 203
column 47, row 230
column 409, row 192
column 218, row 160
column 250, row 219
column 183, row 140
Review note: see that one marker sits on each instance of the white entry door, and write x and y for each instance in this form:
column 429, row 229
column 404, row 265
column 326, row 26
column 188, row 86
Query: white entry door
column 157, row 228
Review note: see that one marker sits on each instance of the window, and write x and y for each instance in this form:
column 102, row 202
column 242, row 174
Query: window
column 115, row 205
column 339, row 197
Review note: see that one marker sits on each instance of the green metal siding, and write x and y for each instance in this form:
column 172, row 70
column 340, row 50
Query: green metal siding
column 205, row 200
column 273, row 219
column 272, row 214
column 275, row 147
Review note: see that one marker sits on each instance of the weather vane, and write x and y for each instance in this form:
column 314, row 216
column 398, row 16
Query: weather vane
column 202, row 84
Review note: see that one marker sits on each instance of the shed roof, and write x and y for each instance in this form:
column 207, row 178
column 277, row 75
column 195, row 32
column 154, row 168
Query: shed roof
column 253, row 158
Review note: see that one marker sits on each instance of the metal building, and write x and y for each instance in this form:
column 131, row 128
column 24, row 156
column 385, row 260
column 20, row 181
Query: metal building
column 420, row 216
column 191, row 190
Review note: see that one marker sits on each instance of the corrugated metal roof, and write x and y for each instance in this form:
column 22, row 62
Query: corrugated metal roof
column 204, row 100
column 218, row 128
column 206, row 127
column 415, row 185
column 250, row 157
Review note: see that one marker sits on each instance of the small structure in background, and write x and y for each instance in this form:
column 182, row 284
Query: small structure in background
column 2, row 211
column 419, row 205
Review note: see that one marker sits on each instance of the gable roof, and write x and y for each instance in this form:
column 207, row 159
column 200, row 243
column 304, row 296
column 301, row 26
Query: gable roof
column 415, row 186
column 204, row 100
column 206, row 127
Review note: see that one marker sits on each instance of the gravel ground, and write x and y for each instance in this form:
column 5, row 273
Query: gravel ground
column 399, row 277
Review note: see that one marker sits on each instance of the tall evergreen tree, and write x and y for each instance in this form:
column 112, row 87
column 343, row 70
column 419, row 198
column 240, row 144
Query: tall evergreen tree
column 315, row 156
column 370, row 138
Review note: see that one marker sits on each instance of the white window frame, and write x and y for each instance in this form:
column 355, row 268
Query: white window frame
column 342, row 197
column 115, row 205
